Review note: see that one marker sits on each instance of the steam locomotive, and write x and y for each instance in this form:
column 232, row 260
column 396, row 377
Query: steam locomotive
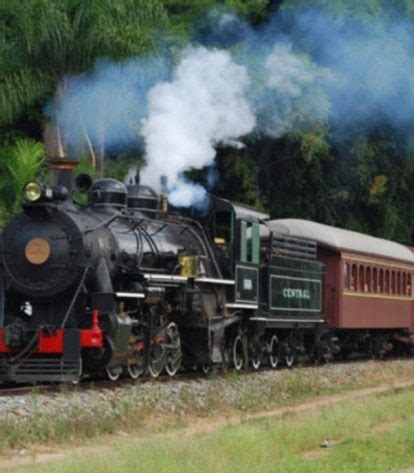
column 124, row 285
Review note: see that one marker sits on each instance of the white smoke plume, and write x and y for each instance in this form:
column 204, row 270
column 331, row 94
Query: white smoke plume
column 204, row 105
column 288, row 72
column 293, row 94
column 298, row 69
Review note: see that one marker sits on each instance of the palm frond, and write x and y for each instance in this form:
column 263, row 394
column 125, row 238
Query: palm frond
column 19, row 164
column 19, row 89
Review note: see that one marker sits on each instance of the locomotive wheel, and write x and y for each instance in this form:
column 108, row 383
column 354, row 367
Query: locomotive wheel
column 274, row 352
column 175, row 355
column 77, row 381
column 134, row 371
column 172, row 367
column 136, row 361
column 237, row 355
column 157, row 360
column 114, row 373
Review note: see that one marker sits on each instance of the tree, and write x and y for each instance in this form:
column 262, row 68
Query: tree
column 44, row 41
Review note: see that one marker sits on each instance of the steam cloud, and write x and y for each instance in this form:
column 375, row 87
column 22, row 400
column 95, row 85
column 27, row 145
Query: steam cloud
column 202, row 106
column 273, row 83
column 107, row 104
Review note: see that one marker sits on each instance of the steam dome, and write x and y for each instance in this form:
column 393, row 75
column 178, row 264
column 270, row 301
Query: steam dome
column 143, row 198
column 108, row 192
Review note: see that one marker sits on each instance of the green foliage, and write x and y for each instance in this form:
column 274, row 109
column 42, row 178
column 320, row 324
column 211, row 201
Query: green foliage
column 365, row 9
column 42, row 41
column 363, row 180
column 239, row 169
column 313, row 145
column 186, row 11
column 118, row 168
column 85, row 167
column 19, row 163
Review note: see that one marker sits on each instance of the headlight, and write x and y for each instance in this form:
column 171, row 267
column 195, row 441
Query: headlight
column 33, row 191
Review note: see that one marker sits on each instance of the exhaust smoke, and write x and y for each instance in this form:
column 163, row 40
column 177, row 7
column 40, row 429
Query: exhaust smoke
column 204, row 105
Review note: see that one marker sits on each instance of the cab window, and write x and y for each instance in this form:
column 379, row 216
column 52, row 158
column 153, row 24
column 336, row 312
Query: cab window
column 222, row 228
column 249, row 242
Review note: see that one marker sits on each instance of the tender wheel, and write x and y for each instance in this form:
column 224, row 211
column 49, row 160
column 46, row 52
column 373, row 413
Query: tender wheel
column 206, row 368
column 274, row 352
column 174, row 355
column 237, row 353
column 289, row 360
column 156, row 360
column 256, row 361
column 114, row 373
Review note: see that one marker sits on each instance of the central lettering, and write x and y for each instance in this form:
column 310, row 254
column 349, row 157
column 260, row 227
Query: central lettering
column 290, row 293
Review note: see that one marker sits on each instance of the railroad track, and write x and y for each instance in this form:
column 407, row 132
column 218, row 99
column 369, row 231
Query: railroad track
column 8, row 390
column 89, row 384
column 100, row 383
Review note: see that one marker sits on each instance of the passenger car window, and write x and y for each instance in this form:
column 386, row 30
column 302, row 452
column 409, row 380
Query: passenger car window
column 381, row 281
column 354, row 277
column 368, row 280
column 361, row 279
column 346, row 276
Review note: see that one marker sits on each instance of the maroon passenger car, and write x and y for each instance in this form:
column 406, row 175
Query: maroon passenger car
column 367, row 297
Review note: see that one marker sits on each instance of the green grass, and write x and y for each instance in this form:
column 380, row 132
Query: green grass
column 126, row 415
column 375, row 434
column 128, row 412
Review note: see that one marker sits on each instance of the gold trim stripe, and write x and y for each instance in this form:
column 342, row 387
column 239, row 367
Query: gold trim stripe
column 377, row 296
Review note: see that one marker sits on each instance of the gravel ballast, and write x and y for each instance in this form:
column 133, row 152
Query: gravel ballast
column 201, row 396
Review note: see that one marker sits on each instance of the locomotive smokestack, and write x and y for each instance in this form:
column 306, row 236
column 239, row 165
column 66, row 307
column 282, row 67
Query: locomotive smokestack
column 62, row 171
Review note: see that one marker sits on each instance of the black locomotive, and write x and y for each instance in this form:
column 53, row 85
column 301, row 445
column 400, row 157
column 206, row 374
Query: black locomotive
column 123, row 284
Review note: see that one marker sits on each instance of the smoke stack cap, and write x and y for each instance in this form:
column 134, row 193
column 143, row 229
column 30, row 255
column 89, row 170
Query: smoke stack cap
column 63, row 163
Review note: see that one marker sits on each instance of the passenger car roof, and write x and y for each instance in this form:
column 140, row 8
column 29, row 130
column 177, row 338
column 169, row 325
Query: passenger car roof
column 340, row 239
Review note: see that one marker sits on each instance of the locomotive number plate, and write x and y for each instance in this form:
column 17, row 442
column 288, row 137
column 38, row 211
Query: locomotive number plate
column 37, row 251
column 247, row 284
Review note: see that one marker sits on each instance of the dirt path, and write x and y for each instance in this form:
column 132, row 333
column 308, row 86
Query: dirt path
column 203, row 426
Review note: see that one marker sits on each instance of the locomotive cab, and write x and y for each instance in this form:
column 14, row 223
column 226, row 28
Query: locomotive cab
column 234, row 232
